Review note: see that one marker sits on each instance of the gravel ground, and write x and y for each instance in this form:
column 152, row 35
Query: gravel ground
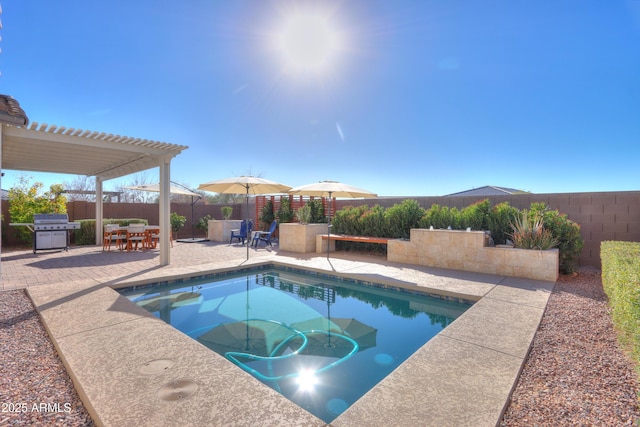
column 576, row 374
column 35, row 389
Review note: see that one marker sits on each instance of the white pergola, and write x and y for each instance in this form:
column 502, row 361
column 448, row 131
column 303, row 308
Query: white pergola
column 56, row 149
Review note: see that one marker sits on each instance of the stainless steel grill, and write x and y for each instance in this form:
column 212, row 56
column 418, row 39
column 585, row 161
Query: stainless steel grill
column 43, row 222
column 50, row 231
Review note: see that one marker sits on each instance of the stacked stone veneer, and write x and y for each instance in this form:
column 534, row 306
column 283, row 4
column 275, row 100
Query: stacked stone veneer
column 468, row 251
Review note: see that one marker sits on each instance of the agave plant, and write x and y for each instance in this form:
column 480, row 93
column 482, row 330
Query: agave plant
column 529, row 233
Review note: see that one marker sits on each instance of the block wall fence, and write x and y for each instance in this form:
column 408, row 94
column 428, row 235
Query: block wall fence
column 601, row 215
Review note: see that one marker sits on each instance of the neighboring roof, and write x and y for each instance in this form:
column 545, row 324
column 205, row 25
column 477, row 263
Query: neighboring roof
column 57, row 149
column 11, row 113
column 489, row 190
column 4, row 194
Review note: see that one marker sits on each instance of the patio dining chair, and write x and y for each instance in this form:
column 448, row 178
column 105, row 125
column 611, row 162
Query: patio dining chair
column 135, row 236
column 113, row 234
column 243, row 233
column 152, row 235
column 265, row 236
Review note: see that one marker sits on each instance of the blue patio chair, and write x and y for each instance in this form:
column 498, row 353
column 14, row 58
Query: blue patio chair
column 242, row 233
column 265, row 236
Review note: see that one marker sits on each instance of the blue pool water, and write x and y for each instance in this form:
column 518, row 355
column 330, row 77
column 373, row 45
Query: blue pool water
column 322, row 342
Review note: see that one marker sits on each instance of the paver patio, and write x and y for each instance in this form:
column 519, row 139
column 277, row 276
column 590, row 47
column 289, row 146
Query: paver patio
column 461, row 377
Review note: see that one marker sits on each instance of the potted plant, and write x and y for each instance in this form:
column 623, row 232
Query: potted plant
column 177, row 222
column 301, row 237
column 227, row 211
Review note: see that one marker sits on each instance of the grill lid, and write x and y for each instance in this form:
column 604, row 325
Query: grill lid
column 55, row 218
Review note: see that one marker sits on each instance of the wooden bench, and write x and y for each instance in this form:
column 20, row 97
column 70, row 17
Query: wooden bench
column 321, row 241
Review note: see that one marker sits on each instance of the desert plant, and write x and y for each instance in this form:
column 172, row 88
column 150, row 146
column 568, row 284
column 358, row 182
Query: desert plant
column 227, row 211
column 529, row 233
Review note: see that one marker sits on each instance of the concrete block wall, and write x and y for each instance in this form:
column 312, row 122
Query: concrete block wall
column 468, row 251
column 220, row 230
column 300, row 238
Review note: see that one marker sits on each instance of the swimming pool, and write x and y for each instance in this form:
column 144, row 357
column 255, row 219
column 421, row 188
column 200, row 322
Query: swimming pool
column 321, row 341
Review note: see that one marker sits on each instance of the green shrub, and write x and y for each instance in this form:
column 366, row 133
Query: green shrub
column 402, row 217
column 441, row 217
column 203, row 223
column 266, row 215
column 565, row 231
column 499, row 222
column 347, row 220
column 374, row 223
column 86, row 234
column 621, row 283
column 476, row 216
column 317, row 211
column 285, row 211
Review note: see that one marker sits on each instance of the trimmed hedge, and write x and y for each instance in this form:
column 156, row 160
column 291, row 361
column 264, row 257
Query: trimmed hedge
column 86, row 235
column 621, row 283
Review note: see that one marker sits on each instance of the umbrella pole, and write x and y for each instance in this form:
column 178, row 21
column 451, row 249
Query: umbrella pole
column 248, row 236
column 193, row 235
column 329, row 227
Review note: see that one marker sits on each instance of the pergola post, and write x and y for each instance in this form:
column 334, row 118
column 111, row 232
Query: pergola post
column 99, row 211
column 165, row 208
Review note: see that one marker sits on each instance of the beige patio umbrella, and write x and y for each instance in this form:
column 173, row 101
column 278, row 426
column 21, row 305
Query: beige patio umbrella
column 173, row 189
column 331, row 189
column 244, row 185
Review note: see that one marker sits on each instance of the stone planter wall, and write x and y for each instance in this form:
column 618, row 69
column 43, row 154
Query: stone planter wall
column 220, row 230
column 468, row 251
column 300, row 238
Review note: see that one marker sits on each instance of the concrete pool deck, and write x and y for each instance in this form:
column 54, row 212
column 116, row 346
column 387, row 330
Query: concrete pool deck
column 131, row 368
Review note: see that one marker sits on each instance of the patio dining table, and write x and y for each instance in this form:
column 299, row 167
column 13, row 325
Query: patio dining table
column 147, row 236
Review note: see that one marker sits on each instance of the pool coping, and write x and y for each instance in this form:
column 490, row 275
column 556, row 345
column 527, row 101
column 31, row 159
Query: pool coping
column 130, row 367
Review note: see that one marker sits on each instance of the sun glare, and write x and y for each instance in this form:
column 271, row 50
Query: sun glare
column 306, row 380
column 308, row 43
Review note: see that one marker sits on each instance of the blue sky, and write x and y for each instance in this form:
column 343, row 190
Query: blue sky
column 405, row 98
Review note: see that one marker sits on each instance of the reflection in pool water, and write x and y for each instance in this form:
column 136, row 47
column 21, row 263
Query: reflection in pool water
column 322, row 342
